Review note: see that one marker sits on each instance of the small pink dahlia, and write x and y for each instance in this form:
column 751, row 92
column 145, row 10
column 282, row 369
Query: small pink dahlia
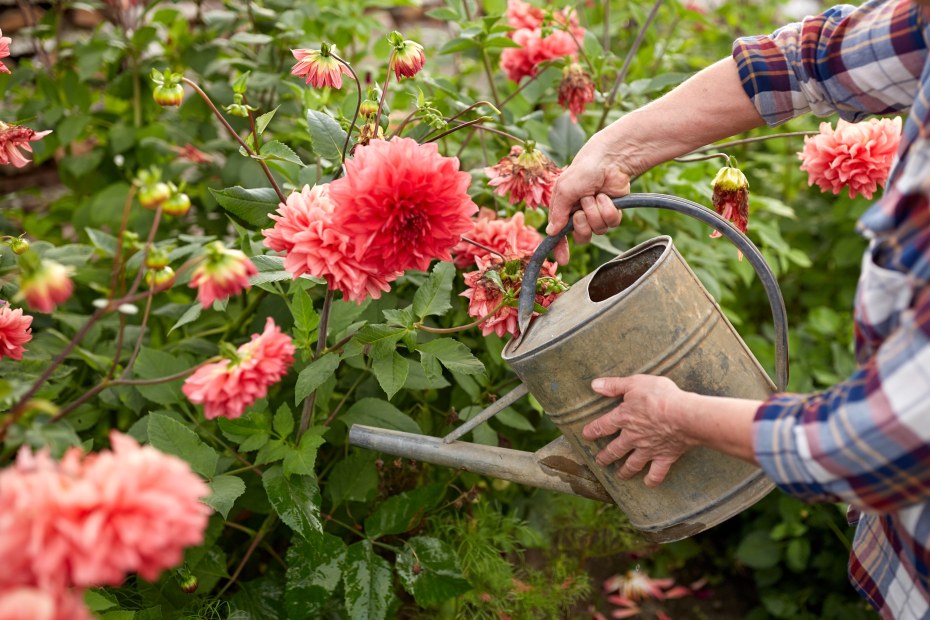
column 855, row 156
column 46, row 286
column 15, row 137
column 408, row 56
column 510, row 236
column 576, row 90
column 319, row 68
column 4, row 51
column 223, row 273
column 526, row 175
column 15, row 331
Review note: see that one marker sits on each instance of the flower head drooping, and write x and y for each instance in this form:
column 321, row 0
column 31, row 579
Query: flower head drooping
column 408, row 56
column 495, row 290
column 855, row 156
column 44, row 284
column 403, row 203
column 731, row 197
column 526, row 175
column 223, row 273
column 227, row 387
column 576, row 90
column 508, row 236
column 304, row 229
column 319, row 67
column 168, row 89
column 4, row 51
column 15, row 331
column 16, row 137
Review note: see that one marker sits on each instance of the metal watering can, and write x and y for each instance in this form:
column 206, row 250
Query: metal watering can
column 644, row 312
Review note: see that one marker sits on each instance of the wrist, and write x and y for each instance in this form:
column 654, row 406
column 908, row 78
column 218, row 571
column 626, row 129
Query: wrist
column 684, row 417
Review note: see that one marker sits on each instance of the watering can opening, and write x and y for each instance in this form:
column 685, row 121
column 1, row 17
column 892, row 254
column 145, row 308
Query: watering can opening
column 617, row 276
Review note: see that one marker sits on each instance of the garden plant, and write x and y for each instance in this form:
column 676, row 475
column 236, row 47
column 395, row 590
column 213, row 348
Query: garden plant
column 231, row 230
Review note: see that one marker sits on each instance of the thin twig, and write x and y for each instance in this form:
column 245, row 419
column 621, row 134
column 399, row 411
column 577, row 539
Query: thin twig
column 248, row 554
column 723, row 145
column 688, row 160
column 457, row 127
column 483, row 247
column 387, row 80
column 460, row 328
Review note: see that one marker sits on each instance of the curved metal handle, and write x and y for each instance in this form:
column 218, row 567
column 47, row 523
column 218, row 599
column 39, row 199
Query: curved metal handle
column 698, row 212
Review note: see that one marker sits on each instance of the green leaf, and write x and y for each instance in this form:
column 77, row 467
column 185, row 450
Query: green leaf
column 272, row 451
column 382, row 338
column 355, row 478
column 284, row 421
column 313, row 376
column 403, row 512
column 226, row 489
column 252, row 206
column 306, row 318
column 172, row 437
column 379, row 413
column 314, row 570
column 452, row 354
column 278, row 150
column 296, row 500
column 430, row 571
column 797, row 554
column 250, row 431
column 510, row 417
column 391, row 372
column 190, row 315
column 758, row 550
column 262, row 121
column 566, row 138
column 432, row 298
column 459, row 44
column 367, row 578
column 326, row 134
column 104, row 242
column 152, row 364
column 400, row 316
column 301, row 460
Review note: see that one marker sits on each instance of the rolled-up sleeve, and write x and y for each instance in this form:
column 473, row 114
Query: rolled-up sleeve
column 855, row 61
column 865, row 441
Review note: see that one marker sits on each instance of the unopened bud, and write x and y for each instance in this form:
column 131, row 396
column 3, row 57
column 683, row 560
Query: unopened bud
column 157, row 259
column 368, row 108
column 168, row 96
column 160, row 278
column 178, row 204
column 18, row 245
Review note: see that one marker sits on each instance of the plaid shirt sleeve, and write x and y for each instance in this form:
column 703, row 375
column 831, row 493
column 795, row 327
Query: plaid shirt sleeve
column 865, row 441
column 852, row 60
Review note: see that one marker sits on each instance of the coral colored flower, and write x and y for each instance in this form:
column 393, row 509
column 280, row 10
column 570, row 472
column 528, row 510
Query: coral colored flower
column 304, row 230
column 223, row 273
column 408, row 56
column 15, row 331
column 46, row 286
column 576, row 90
column 535, row 48
column 855, row 156
column 227, row 387
column 526, row 175
column 27, row 603
column 319, row 67
column 524, row 15
column 15, row 137
column 507, row 236
column 4, row 51
column 494, row 291
column 404, row 204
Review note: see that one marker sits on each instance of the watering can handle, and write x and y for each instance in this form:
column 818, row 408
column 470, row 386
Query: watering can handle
column 692, row 209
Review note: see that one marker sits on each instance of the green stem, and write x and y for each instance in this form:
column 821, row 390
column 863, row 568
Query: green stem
column 688, row 160
column 358, row 106
column 387, row 80
column 306, row 416
column 723, row 145
column 460, row 328
column 266, row 525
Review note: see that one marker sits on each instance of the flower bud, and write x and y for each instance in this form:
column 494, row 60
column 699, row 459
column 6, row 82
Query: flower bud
column 167, row 96
column 190, row 584
column 178, row 204
column 368, row 108
column 160, row 278
column 44, row 285
column 154, row 194
column 408, row 57
column 18, row 245
column 156, row 259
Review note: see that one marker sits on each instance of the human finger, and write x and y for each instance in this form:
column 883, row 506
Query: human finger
column 582, row 228
column 633, row 464
column 657, row 472
column 614, row 451
column 609, row 212
column 611, row 386
column 561, row 252
column 604, row 425
column 565, row 196
column 593, row 215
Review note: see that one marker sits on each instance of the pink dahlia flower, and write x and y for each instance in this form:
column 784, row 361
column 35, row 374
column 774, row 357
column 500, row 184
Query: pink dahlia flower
column 524, row 175
column 15, row 331
column 4, row 51
column 319, row 68
column 408, row 59
column 304, row 230
column 855, row 156
column 508, row 236
column 404, row 204
column 46, row 287
column 494, row 292
column 26, row 603
column 523, row 61
column 524, row 15
column 227, row 387
column 576, row 90
column 15, row 137
column 223, row 273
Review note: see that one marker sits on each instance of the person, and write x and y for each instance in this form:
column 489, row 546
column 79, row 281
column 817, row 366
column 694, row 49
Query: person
column 866, row 440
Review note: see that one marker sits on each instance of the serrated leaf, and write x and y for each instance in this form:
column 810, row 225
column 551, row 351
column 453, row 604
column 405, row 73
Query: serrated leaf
column 272, row 451
column 246, row 426
column 252, row 206
column 284, row 421
column 367, row 579
column 326, row 134
column 432, row 298
column 313, row 376
column 382, row 338
column 190, row 315
column 314, row 570
column 403, row 512
column 459, row 44
column 104, row 242
column 302, row 459
column 355, row 478
column 509, row 417
column 173, row 437
column 429, row 570
column 226, row 489
column 452, row 354
column 391, row 372
column 261, row 123
column 379, row 413
column 278, row 150
column 296, row 499
column 152, row 364
column 306, row 318
column 399, row 316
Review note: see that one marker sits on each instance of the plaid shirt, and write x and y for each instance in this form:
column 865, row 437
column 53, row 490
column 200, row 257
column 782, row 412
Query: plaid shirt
column 865, row 441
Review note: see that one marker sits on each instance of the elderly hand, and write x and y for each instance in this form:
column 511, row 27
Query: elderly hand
column 650, row 429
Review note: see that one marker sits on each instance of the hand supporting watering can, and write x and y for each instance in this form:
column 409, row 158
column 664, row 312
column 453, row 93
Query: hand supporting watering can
column 658, row 422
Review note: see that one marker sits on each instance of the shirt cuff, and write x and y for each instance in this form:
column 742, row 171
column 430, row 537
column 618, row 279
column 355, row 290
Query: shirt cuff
column 768, row 80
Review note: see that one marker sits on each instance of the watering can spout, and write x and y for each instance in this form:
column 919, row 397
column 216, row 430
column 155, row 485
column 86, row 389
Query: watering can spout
column 554, row 467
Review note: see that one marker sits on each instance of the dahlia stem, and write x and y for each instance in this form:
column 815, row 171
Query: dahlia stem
column 457, row 127
column 688, row 160
column 472, row 107
column 627, row 62
column 387, row 79
column 605, row 43
column 306, row 415
column 581, row 51
column 487, row 69
column 145, row 250
column 232, row 132
column 509, row 136
column 460, row 328
column 483, row 247
column 358, row 106
column 141, row 336
column 539, row 70
column 787, row 134
column 266, row 525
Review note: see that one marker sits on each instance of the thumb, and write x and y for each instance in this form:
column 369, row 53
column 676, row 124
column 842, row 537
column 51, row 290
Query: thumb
column 561, row 252
column 611, row 386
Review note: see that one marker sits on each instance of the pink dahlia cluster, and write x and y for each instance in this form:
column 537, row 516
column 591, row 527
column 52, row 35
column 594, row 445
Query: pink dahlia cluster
column 509, row 236
column 855, row 156
column 223, row 273
column 494, row 292
column 227, row 387
column 399, row 206
column 90, row 520
column 15, row 331
column 16, row 137
column 524, row 175
column 4, row 51
column 541, row 37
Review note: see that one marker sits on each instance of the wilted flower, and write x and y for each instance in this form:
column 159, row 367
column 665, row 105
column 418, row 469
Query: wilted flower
column 408, row 56
column 223, row 273
column 731, row 197
column 526, row 175
column 304, row 229
column 15, row 331
column 368, row 107
column 4, row 51
column 46, row 285
column 28, row 603
column 15, row 137
column 403, row 203
column 508, row 236
column 576, row 90
column 371, row 130
column 857, row 156
column 227, row 387
column 495, row 290
column 319, row 67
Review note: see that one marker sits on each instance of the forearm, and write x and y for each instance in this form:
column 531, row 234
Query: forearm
column 716, row 422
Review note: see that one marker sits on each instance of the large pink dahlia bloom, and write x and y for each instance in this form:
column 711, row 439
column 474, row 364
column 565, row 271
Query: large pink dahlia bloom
column 27, row 603
column 510, row 236
column 15, row 331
